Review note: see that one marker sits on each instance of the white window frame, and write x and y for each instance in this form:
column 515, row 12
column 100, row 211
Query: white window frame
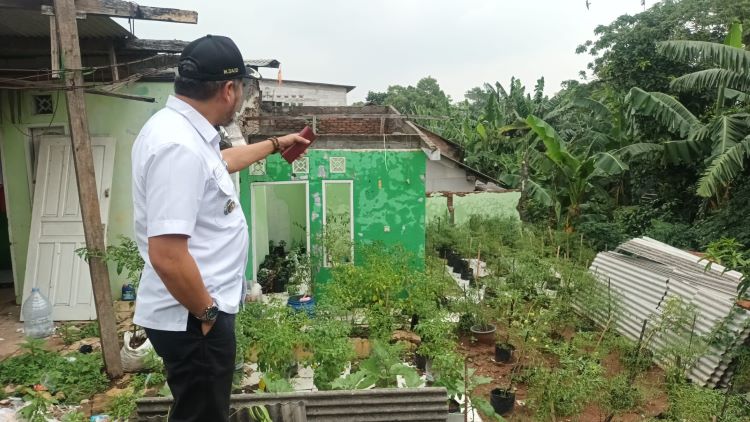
column 252, row 217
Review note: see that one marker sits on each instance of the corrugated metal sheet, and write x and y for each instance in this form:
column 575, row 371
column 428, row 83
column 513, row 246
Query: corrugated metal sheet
column 27, row 23
column 256, row 63
column 279, row 412
column 375, row 405
column 644, row 273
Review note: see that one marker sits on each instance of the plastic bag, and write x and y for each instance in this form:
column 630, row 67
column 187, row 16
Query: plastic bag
column 133, row 359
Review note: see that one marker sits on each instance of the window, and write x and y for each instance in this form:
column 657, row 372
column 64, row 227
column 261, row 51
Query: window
column 338, row 221
column 43, row 104
column 337, row 164
column 301, row 165
column 258, row 168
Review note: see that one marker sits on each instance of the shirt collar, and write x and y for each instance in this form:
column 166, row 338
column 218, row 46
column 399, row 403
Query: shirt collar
column 200, row 123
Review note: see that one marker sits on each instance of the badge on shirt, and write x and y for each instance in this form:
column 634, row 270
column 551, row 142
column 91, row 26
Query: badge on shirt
column 230, row 206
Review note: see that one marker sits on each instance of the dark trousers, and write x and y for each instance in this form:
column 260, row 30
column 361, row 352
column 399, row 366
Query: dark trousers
column 199, row 368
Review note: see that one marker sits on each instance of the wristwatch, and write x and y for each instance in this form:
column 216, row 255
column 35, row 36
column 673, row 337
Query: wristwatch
column 210, row 313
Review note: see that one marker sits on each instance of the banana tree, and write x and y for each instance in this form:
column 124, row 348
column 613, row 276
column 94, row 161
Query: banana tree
column 723, row 142
column 573, row 177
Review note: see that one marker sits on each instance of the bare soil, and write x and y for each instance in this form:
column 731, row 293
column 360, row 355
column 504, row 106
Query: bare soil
column 481, row 357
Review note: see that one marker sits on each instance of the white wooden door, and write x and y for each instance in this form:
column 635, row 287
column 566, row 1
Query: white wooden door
column 57, row 229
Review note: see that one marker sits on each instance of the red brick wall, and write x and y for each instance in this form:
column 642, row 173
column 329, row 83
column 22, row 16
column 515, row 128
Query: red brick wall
column 337, row 125
column 349, row 126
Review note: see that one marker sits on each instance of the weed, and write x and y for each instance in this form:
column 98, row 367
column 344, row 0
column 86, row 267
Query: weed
column 75, row 416
column 123, row 405
column 77, row 375
column 621, row 395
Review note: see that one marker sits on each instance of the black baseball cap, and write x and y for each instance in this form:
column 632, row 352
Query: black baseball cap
column 213, row 58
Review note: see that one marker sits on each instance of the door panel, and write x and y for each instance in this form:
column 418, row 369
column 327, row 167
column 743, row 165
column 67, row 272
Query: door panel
column 57, row 229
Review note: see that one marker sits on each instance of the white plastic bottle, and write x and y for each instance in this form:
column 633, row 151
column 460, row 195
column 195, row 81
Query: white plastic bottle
column 37, row 315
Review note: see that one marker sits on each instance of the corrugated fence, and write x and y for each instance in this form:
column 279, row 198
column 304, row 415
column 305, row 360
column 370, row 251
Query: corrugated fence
column 375, row 405
column 644, row 273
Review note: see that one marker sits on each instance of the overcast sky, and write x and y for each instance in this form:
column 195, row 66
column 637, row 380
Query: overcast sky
column 376, row 43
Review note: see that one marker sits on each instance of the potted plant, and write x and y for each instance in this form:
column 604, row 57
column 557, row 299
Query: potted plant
column 504, row 350
column 436, row 334
column 502, row 400
column 483, row 330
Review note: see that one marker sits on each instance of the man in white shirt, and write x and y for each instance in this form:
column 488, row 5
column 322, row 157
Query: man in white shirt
column 190, row 229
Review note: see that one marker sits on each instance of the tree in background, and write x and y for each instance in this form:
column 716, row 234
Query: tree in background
column 722, row 139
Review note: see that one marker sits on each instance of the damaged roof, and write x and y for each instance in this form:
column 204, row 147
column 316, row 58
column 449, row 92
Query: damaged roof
column 454, row 153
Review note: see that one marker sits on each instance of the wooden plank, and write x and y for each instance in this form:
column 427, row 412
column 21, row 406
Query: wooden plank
column 113, row 8
column 126, row 9
column 113, row 63
column 67, row 34
column 54, row 49
column 159, row 46
column 119, row 95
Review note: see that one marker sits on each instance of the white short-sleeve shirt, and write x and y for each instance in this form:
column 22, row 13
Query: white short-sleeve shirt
column 181, row 186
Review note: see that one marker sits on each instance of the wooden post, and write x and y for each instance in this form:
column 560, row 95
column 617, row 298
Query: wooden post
column 54, row 49
column 113, row 63
column 451, row 213
column 67, row 34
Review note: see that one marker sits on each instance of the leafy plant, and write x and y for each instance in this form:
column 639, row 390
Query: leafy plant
column 125, row 255
column 691, row 402
column 39, row 405
column 273, row 382
column 732, row 255
column 332, row 350
column 380, row 370
column 123, row 405
column 621, row 395
column 72, row 333
column 75, row 416
column 77, row 375
column 565, row 389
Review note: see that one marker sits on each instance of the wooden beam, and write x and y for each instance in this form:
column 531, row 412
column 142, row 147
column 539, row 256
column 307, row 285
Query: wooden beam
column 67, row 34
column 113, row 62
column 126, row 9
column 112, row 8
column 119, row 95
column 158, row 46
column 54, row 49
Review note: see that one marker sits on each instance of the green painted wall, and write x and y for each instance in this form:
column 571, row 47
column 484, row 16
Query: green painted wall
column 107, row 116
column 488, row 204
column 389, row 194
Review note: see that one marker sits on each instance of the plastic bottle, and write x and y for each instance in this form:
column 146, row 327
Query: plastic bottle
column 37, row 315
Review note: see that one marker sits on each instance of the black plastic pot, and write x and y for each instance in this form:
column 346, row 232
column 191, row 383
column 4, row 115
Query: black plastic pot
column 484, row 333
column 453, row 406
column 504, row 352
column 463, row 265
column 420, row 361
column 414, row 321
column 502, row 400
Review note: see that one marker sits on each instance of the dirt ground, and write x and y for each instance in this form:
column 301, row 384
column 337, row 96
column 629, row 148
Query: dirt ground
column 481, row 357
column 10, row 337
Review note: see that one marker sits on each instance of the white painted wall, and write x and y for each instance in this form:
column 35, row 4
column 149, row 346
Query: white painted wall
column 445, row 175
column 303, row 93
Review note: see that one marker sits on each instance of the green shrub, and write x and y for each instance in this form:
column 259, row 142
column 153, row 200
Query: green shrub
column 621, row 395
column 678, row 235
column 78, row 375
column 692, row 403
column 567, row 388
column 603, row 235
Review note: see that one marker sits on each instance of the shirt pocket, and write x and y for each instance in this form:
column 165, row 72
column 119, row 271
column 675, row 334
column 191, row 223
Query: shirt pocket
column 225, row 207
